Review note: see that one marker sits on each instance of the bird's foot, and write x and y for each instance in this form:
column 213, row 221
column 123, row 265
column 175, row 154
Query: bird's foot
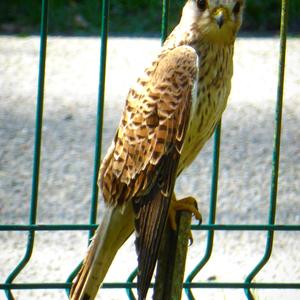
column 186, row 204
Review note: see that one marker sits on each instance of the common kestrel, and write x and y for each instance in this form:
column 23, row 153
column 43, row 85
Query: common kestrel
column 169, row 114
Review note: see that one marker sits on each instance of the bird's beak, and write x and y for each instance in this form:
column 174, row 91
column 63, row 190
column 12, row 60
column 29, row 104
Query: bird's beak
column 220, row 16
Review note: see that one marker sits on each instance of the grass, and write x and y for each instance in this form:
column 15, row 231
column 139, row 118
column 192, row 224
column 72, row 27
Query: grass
column 126, row 16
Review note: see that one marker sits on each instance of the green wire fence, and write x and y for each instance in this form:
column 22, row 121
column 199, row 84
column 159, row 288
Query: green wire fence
column 270, row 227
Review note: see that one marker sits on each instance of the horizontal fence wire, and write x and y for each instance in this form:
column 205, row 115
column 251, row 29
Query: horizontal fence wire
column 203, row 227
column 128, row 285
column 270, row 227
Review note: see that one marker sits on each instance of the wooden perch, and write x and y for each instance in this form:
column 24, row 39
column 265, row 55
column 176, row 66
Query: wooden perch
column 171, row 260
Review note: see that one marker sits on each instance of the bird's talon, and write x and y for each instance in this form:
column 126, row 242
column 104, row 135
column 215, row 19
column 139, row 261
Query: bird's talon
column 187, row 204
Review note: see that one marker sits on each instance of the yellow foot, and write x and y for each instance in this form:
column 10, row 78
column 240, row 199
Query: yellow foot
column 187, row 204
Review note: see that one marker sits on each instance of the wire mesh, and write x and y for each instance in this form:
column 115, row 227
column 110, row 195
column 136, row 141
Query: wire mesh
column 270, row 227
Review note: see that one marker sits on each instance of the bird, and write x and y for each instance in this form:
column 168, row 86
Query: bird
column 170, row 113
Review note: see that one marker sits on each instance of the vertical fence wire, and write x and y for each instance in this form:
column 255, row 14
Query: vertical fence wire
column 100, row 111
column 212, row 212
column 165, row 20
column 130, row 280
column 37, row 148
column 163, row 36
column 276, row 148
column 99, row 124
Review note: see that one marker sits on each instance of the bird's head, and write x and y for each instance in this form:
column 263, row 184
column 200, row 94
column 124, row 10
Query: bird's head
column 215, row 20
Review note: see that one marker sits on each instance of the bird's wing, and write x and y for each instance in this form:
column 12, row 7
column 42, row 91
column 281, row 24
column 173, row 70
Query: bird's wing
column 142, row 162
column 154, row 121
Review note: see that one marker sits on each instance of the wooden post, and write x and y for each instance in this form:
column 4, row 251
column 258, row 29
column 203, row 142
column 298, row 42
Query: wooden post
column 171, row 259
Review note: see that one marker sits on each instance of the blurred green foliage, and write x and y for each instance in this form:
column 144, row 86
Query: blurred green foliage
column 126, row 16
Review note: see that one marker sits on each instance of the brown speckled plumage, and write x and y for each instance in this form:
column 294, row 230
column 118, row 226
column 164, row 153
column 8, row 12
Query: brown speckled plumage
column 169, row 115
column 154, row 120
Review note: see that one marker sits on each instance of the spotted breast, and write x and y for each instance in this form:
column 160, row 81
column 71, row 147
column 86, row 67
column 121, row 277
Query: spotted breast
column 209, row 99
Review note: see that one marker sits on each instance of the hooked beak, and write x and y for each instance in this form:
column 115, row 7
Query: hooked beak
column 220, row 17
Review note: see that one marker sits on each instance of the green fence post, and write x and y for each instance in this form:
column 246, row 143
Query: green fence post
column 164, row 34
column 100, row 110
column 99, row 125
column 276, row 151
column 37, row 148
column 212, row 212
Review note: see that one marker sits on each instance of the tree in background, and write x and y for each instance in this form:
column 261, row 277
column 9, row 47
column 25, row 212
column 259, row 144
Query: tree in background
column 126, row 16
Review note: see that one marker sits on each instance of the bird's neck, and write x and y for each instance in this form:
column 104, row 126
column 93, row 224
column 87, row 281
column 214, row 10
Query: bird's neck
column 186, row 34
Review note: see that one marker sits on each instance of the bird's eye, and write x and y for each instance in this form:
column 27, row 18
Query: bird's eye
column 202, row 4
column 237, row 8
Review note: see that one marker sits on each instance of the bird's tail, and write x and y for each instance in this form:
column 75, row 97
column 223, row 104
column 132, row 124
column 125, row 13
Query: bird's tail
column 117, row 225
